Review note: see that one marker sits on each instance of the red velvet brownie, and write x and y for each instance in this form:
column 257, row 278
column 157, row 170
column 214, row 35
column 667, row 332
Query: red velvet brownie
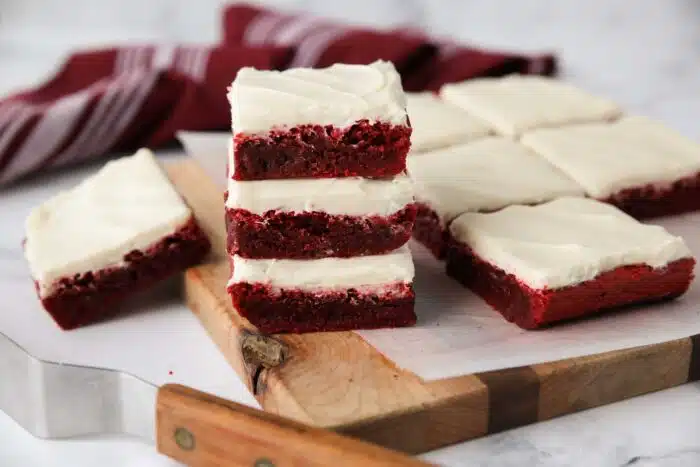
column 116, row 233
column 437, row 124
column 480, row 176
column 639, row 165
column 568, row 258
column 321, row 217
column 340, row 121
column 316, row 234
column 328, row 294
column 517, row 103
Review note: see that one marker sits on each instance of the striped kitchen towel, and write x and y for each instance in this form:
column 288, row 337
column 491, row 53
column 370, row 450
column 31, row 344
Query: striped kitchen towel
column 423, row 62
column 119, row 99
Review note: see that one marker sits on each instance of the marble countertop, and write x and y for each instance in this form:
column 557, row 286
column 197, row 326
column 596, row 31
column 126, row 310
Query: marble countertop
column 645, row 55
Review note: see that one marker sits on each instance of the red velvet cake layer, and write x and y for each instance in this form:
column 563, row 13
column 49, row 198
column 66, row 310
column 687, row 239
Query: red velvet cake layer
column 534, row 308
column 315, row 234
column 93, row 296
column 654, row 201
column 313, row 151
column 428, row 231
column 297, row 311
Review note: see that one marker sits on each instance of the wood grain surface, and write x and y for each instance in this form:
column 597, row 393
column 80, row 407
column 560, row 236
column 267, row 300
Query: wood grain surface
column 202, row 430
column 337, row 381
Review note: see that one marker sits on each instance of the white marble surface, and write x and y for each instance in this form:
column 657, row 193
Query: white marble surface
column 644, row 54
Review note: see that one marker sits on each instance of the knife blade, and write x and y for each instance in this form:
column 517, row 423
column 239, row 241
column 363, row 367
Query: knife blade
column 55, row 400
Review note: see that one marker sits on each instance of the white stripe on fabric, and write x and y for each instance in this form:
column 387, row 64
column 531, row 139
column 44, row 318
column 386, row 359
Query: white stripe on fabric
column 55, row 124
column 183, row 57
column 143, row 57
column 448, row 50
column 146, row 83
column 199, row 70
column 15, row 127
column 8, row 112
column 297, row 30
column 259, row 31
column 310, row 49
column 163, row 57
column 537, row 66
column 124, row 58
column 177, row 56
column 111, row 91
column 133, row 59
column 119, row 60
column 119, row 96
column 191, row 62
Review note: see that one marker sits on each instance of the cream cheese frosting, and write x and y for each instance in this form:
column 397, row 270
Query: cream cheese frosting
column 437, row 124
column 351, row 196
column 517, row 103
column 326, row 273
column 607, row 158
column 485, row 175
column 339, row 95
column 566, row 241
column 128, row 205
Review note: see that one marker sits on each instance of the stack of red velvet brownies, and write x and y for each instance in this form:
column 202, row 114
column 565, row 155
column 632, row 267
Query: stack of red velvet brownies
column 318, row 206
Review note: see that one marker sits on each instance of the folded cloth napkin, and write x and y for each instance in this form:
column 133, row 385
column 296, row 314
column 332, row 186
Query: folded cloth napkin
column 424, row 63
column 120, row 99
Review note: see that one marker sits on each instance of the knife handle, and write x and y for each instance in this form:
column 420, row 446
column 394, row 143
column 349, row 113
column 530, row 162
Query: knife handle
column 202, row 430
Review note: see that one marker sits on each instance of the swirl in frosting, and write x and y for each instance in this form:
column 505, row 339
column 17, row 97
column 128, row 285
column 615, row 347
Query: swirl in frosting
column 340, row 95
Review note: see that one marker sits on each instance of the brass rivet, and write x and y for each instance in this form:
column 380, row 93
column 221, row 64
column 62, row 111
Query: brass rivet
column 264, row 463
column 184, row 439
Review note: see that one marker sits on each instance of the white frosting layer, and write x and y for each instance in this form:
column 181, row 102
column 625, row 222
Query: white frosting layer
column 517, row 103
column 326, row 273
column 566, row 241
column 338, row 95
column 128, row 205
column 437, row 124
column 607, row 158
column 352, row 196
column 485, row 175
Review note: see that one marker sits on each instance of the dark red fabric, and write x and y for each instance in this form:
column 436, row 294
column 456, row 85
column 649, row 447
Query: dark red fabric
column 458, row 63
column 423, row 63
column 320, row 43
column 122, row 98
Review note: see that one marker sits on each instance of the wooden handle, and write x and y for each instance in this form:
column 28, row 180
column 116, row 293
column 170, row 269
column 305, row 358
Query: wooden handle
column 201, row 430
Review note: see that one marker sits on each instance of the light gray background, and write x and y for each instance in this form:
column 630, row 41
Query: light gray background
column 645, row 54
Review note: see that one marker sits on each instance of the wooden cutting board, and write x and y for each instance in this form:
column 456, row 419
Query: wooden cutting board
column 338, row 381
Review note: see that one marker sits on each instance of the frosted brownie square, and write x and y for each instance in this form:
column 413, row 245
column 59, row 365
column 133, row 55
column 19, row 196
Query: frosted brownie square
column 328, row 294
column 114, row 234
column 637, row 164
column 437, row 124
column 318, row 217
column 568, row 258
column 340, row 121
column 481, row 176
column 518, row 103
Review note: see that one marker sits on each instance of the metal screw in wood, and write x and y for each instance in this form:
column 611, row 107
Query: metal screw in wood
column 264, row 463
column 184, row 439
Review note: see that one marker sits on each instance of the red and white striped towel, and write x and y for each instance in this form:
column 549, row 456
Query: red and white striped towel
column 423, row 63
column 120, row 99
